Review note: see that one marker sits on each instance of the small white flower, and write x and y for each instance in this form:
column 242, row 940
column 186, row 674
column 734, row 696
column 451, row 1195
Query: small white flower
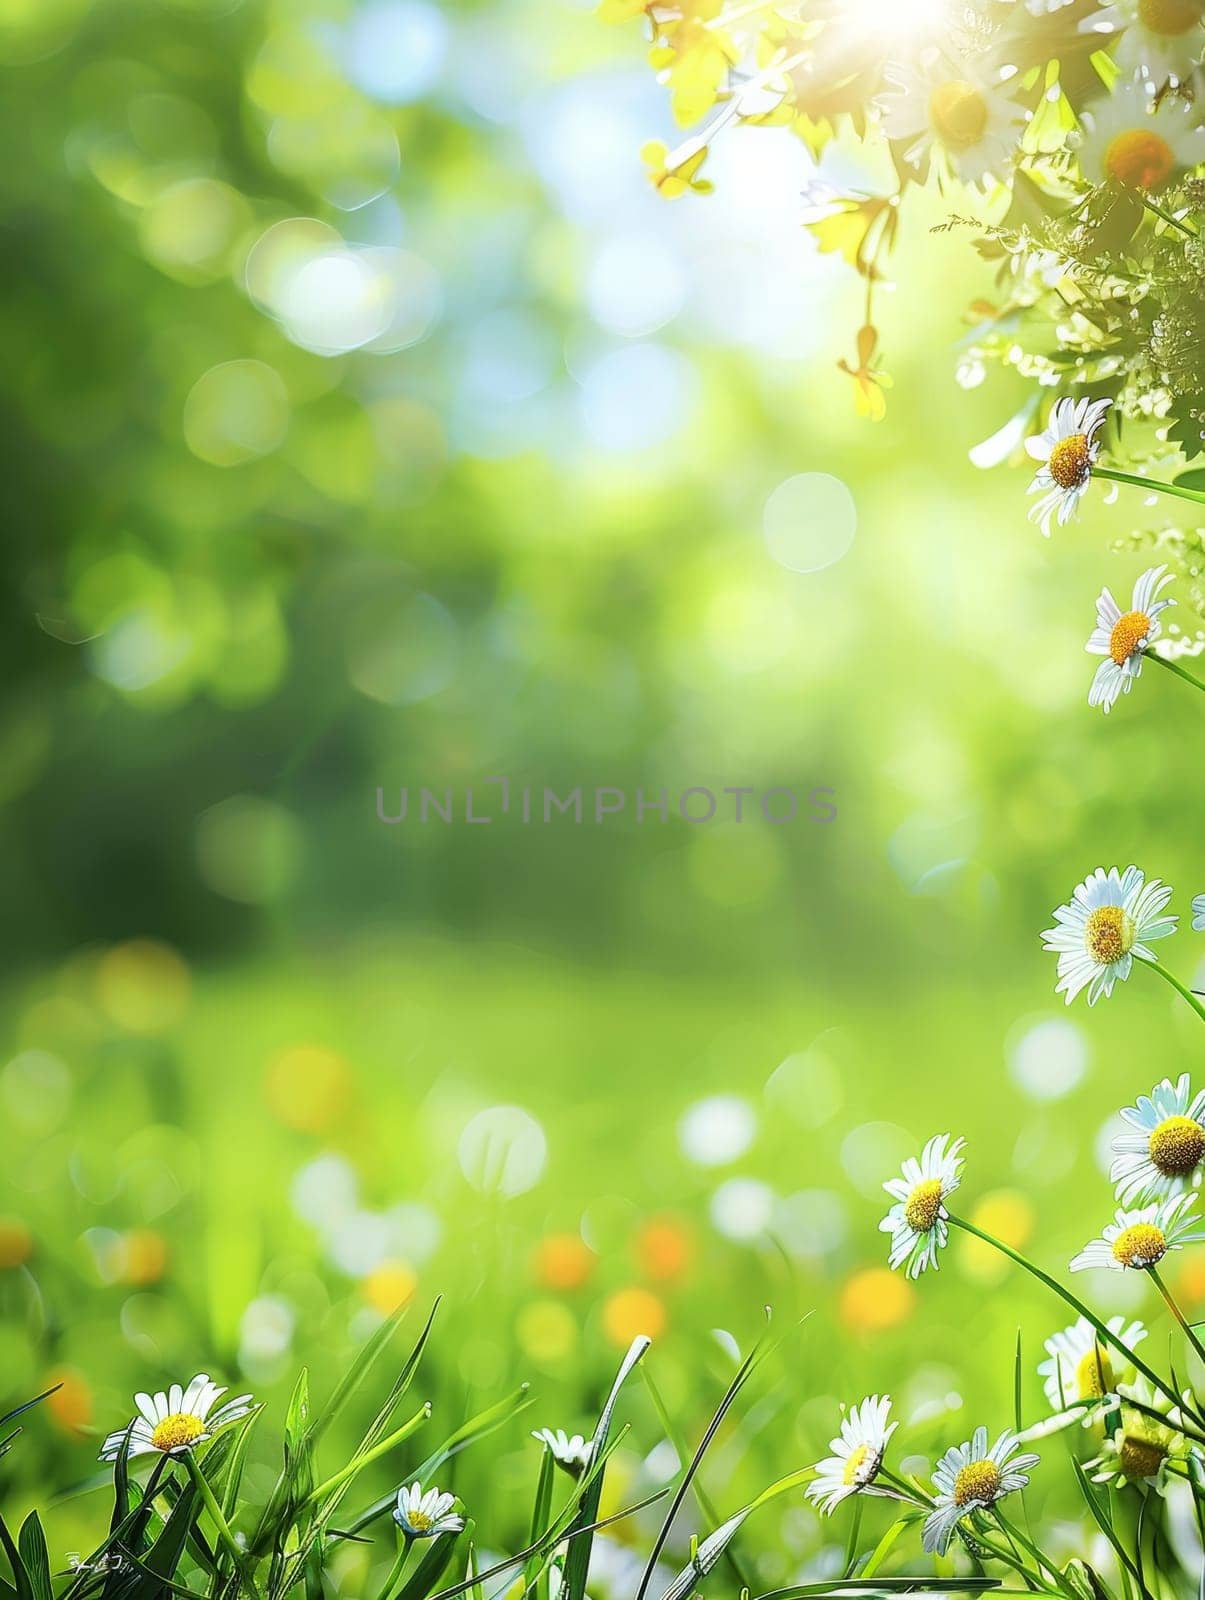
column 917, row 1222
column 1198, row 913
column 1166, row 1152
column 1081, row 1367
column 1132, row 141
column 176, row 1419
column 1142, row 1238
column 1067, row 451
column 572, row 1453
column 1110, row 917
column 857, row 1454
column 1162, row 39
column 970, row 1477
column 424, row 1516
column 1140, row 1449
column 1124, row 637
column 944, row 104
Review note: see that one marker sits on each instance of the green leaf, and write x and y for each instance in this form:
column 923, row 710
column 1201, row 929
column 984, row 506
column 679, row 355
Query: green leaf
column 577, row 1556
column 31, row 1542
column 27, row 1405
column 432, row 1567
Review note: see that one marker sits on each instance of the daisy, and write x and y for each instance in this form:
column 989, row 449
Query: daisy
column 1105, row 925
column 1067, row 451
column 857, row 1454
column 1166, row 1151
column 943, row 104
column 1140, row 1450
column 1124, row 637
column 1198, row 913
column 1082, row 1368
column 1130, row 143
column 917, row 1221
column 1142, row 1238
column 971, row 1477
column 1160, row 38
column 572, row 1453
column 424, row 1516
column 176, row 1419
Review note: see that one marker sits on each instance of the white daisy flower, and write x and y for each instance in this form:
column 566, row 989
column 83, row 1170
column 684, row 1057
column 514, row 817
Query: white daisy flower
column 1162, row 39
column 1110, row 917
column 1140, row 1450
column 917, row 1221
column 572, row 1453
column 1142, row 1238
column 1166, row 1152
column 1131, row 141
column 1123, row 637
column 857, row 1454
column 424, row 1516
column 944, row 105
column 971, row 1477
column 176, row 1419
column 1198, row 913
column 1067, row 451
column 1082, row 1368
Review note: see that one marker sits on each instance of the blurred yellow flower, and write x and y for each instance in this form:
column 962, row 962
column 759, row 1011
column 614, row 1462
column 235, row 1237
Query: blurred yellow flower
column 564, row 1261
column 630, row 1312
column 1009, row 1217
column 546, row 1331
column 874, row 1299
column 71, row 1404
column 307, row 1086
column 142, row 1256
column 664, row 1248
column 143, row 986
column 16, row 1242
column 390, row 1286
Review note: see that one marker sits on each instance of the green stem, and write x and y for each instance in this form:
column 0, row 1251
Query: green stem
column 358, row 1463
column 1156, row 484
column 1166, row 216
column 236, row 1552
column 1044, row 1565
column 395, row 1571
column 913, row 1491
column 1185, row 994
column 1170, row 1302
column 1035, row 1578
column 1076, row 1305
column 1153, row 655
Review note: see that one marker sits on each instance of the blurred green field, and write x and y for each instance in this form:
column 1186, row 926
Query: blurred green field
column 271, row 1067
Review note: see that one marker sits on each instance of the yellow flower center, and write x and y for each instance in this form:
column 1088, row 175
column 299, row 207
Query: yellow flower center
column 1094, row 1375
column 1169, row 16
column 978, row 1480
column 1109, row 934
column 1070, row 464
column 1139, row 158
column 958, row 113
column 1177, row 1145
column 1140, row 1458
column 854, row 1464
column 420, row 1521
column 923, row 1205
column 1140, row 1245
column 176, row 1431
column 1128, row 633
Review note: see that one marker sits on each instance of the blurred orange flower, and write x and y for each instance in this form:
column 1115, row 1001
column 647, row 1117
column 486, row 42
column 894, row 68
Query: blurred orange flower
column 875, row 1298
column 629, row 1312
column 564, row 1261
column 16, row 1242
column 664, row 1248
column 71, row 1404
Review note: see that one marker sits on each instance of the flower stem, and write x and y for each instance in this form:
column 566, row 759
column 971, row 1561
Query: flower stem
column 1177, row 489
column 236, row 1552
column 1170, row 1301
column 1044, row 1565
column 1034, row 1578
column 1077, row 1305
column 1185, row 994
column 1153, row 655
column 395, row 1571
column 1166, row 216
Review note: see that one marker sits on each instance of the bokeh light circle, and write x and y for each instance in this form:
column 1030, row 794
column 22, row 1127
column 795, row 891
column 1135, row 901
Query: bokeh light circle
column 809, row 521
